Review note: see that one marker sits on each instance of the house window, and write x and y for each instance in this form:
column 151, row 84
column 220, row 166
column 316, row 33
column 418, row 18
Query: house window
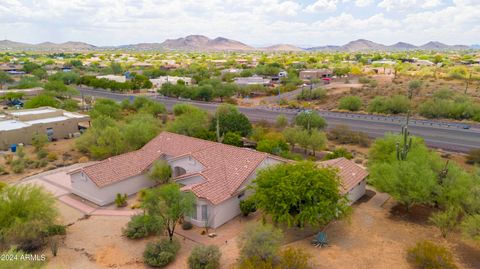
column 194, row 212
column 204, row 212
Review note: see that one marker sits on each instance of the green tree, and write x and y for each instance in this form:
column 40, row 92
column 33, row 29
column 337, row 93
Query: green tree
column 106, row 107
column 291, row 135
column 413, row 87
column 409, row 181
column 26, row 211
column 317, row 141
column 310, row 120
column 42, row 100
column 169, row 204
column 231, row 120
column 191, row 123
column 139, row 130
column 103, row 139
column 233, row 139
column 299, row 194
column 161, row 172
column 59, row 89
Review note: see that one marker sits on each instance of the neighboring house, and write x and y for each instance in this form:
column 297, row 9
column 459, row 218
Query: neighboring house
column 384, row 62
column 424, row 63
column 217, row 174
column 310, row 74
column 19, row 126
column 114, row 78
column 158, row 82
column 353, row 177
column 253, row 80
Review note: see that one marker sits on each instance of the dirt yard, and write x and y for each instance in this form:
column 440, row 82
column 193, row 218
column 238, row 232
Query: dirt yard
column 376, row 235
column 63, row 149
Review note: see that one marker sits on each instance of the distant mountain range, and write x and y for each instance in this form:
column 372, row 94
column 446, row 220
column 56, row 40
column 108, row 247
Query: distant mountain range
column 203, row 43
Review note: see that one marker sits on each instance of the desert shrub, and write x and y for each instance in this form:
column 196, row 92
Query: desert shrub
column 187, row 225
column 18, row 166
column 56, row 229
column 83, row 159
column 161, row 172
column 8, row 158
column 352, row 103
column 2, row 170
column 42, row 153
column 121, row 200
column 204, row 257
column 161, row 253
column 292, row 257
column 337, row 153
column 427, row 255
column 344, row 135
column 471, row 227
column 260, row 242
column 234, row 139
column 389, row 105
column 141, row 226
column 247, row 206
column 19, row 263
column 473, row 156
column 364, row 80
column 281, row 121
column 26, row 212
column 52, row 156
column 315, row 94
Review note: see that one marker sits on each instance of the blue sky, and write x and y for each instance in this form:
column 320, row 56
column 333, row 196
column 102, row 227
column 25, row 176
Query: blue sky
column 255, row 22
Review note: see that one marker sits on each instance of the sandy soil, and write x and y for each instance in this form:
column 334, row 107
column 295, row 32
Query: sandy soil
column 376, row 235
column 63, row 148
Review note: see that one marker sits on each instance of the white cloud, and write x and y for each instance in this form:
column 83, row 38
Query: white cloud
column 322, row 6
column 113, row 22
column 363, row 3
column 431, row 3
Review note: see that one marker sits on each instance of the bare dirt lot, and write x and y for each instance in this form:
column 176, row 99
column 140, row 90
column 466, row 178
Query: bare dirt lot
column 377, row 235
column 63, row 149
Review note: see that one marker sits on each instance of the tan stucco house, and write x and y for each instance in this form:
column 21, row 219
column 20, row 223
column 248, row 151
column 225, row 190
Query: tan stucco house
column 217, row 174
column 20, row 126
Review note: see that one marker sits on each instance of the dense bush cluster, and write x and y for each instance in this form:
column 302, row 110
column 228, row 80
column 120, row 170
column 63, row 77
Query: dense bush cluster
column 135, row 83
column 141, row 226
column 344, row 135
column 427, row 255
column 204, row 257
column 207, row 90
column 389, row 105
column 445, row 104
column 161, row 253
column 352, row 103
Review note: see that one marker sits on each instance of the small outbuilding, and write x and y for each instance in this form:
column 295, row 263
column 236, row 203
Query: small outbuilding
column 353, row 177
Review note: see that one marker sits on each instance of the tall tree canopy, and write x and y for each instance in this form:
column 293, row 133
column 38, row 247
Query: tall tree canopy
column 300, row 194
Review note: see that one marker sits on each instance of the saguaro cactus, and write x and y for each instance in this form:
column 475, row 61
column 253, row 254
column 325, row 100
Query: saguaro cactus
column 402, row 151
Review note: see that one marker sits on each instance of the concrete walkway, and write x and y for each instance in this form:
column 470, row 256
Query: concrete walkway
column 57, row 182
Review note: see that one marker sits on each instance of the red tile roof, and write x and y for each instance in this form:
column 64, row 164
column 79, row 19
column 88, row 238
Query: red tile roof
column 226, row 167
column 349, row 172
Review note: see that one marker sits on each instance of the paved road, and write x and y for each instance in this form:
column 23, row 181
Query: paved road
column 437, row 134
